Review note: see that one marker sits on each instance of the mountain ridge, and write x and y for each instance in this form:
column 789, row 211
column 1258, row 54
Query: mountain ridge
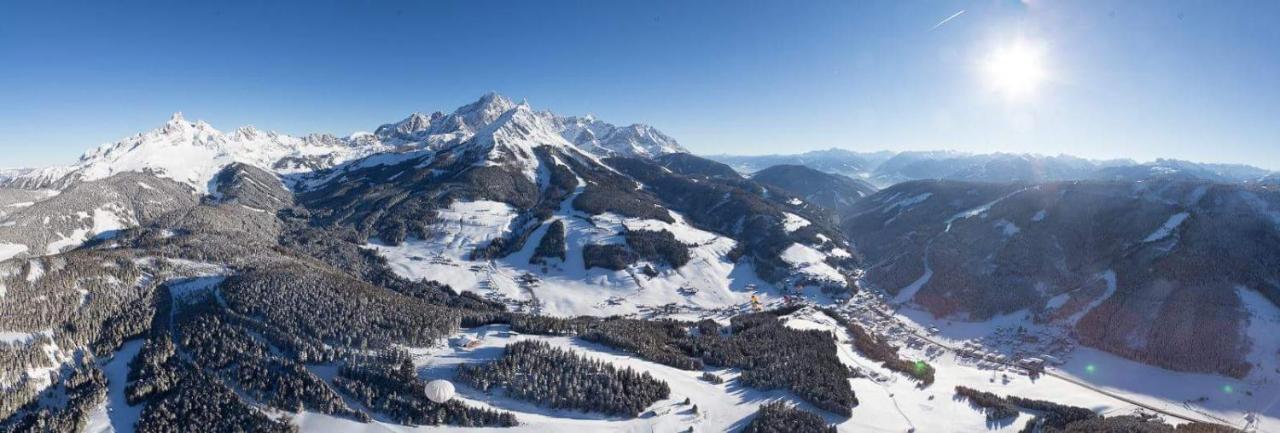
column 885, row 168
column 193, row 152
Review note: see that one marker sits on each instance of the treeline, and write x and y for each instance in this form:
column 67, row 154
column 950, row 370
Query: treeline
column 1051, row 414
column 994, row 406
column 188, row 386
column 561, row 379
column 1058, row 418
column 552, row 245
column 560, row 184
column 335, row 309
column 614, row 257
column 389, row 384
column 738, row 208
column 773, row 356
column 179, row 396
column 83, row 391
column 1125, row 424
column 339, row 247
column 879, row 349
column 780, row 417
column 229, row 351
column 770, row 355
column 83, row 299
column 658, row 246
column 609, row 191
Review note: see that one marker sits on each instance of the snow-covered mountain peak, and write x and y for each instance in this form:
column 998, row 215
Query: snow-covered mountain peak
column 606, row 139
column 176, row 120
column 193, row 152
column 439, row 131
column 249, row 133
column 521, row 126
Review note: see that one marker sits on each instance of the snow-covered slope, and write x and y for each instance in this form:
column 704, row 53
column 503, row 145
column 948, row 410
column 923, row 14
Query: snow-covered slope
column 606, row 139
column 438, row 130
column 52, row 222
column 193, row 152
column 1114, row 261
column 479, row 216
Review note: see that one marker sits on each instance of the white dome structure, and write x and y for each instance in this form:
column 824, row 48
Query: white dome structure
column 439, row 391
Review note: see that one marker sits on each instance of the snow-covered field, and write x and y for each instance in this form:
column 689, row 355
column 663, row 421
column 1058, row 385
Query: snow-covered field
column 1099, row 380
column 7, row 251
column 707, row 282
column 115, row 414
column 724, row 407
column 889, row 401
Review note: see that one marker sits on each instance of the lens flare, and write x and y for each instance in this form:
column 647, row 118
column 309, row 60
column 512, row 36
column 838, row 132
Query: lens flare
column 1015, row 69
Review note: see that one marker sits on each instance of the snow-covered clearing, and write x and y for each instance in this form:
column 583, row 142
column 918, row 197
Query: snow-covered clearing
column 1167, row 228
column 1007, row 228
column 1098, row 380
column 8, row 251
column 907, row 293
column 980, row 210
column 708, row 281
column 1110, row 278
column 16, row 338
column 35, row 271
column 75, row 239
column 39, row 377
column 811, row 262
column 889, row 401
column 115, row 414
column 794, row 222
column 724, row 407
column 907, row 202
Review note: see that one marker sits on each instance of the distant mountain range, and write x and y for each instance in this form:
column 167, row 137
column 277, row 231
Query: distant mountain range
column 193, row 152
column 883, row 169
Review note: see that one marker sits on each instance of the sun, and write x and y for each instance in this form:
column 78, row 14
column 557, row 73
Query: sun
column 1015, row 69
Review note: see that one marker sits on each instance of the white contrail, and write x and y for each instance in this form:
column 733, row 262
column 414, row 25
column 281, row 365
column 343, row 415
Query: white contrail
column 952, row 17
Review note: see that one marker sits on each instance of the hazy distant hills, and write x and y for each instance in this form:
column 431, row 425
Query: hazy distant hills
column 884, row 168
column 1149, row 270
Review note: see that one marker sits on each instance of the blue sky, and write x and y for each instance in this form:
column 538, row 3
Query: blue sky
column 1141, row 79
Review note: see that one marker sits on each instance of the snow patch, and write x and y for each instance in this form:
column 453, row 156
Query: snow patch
column 1057, row 301
column 907, row 202
column 1167, row 228
column 906, row 293
column 8, row 251
column 811, row 262
column 1110, row 278
column 1007, row 228
column 792, row 222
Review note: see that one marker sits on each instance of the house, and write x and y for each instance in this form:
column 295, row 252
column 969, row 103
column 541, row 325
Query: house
column 1032, row 364
column 468, row 342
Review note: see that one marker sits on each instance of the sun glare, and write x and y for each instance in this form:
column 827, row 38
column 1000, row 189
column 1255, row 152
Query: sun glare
column 1015, row 69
